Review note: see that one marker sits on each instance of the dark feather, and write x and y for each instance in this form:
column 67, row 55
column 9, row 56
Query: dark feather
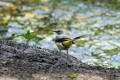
column 78, row 37
column 62, row 39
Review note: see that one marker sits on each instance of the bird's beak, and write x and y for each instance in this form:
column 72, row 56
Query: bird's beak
column 54, row 31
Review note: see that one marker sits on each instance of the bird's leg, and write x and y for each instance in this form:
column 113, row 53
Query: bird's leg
column 67, row 51
column 60, row 50
column 67, row 54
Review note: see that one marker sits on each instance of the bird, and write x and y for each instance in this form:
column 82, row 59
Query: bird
column 64, row 42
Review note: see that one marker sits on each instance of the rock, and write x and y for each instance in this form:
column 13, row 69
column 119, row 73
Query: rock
column 21, row 62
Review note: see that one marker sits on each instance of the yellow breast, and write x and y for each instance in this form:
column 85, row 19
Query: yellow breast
column 67, row 43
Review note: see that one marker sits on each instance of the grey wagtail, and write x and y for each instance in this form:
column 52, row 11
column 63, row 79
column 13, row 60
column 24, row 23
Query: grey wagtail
column 64, row 42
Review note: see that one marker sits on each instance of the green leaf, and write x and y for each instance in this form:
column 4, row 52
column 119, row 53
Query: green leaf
column 118, row 67
column 73, row 75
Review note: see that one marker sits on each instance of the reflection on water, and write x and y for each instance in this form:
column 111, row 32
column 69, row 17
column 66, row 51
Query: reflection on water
column 101, row 26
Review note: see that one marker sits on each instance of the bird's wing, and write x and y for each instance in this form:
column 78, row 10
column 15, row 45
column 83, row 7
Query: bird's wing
column 61, row 38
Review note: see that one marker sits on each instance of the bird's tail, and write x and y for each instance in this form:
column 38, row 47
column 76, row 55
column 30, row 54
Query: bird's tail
column 78, row 37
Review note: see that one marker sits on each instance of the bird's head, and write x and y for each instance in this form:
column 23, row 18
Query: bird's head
column 58, row 32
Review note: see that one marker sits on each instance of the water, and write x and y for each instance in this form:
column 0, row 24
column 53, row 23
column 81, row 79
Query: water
column 99, row 24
